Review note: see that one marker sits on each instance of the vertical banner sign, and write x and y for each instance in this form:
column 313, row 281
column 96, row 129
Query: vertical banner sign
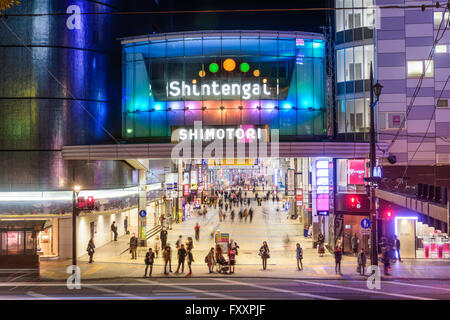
column 299, row 197
column 323, row 187
column 290, row 178
column 186, row 190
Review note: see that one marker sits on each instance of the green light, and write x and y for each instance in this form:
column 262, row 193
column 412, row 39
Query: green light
column 129, row 130
column 245, row 67
column 213, row 67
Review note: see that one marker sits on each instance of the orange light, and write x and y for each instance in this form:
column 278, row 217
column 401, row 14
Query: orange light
column 264, row 80
column 201, row 73
column 256, row 73
column 229, row 64
column 194, row 81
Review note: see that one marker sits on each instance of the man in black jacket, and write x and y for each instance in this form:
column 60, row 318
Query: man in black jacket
column 114, row 230
column 163, row 237
column 133, row 246
column 149, row 258
column 181, row 258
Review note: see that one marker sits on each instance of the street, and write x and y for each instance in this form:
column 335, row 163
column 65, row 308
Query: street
column 228, row 289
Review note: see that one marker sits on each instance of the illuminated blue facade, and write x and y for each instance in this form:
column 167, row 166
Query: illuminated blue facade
column 260, row 77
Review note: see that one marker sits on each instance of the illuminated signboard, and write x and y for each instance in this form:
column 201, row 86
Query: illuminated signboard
column 242, row 78
column 323, row 187
column 356, row 170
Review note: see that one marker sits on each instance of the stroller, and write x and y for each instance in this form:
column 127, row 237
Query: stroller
column 223, row 266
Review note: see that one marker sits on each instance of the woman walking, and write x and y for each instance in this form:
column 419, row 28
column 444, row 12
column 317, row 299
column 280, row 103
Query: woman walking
column 209, row 259
column 362, row 259
column 232, row 259
column 299, row 255
column 190, row 259
column 91, row 249
column 337, row 259
column 264, row 252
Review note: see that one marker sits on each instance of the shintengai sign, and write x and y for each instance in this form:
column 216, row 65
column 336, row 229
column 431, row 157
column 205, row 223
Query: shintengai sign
column 181, row 89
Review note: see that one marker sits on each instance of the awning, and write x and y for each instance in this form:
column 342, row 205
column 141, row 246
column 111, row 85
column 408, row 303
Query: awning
column 24, row 225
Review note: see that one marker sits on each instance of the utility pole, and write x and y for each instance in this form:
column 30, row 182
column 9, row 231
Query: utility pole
column 374, row 89
column 76, row 190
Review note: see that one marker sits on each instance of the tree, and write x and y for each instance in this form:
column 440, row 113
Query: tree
column 7, row 4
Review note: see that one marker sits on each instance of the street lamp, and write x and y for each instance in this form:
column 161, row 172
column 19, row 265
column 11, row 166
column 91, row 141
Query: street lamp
column 76, row 191
column 374, row 89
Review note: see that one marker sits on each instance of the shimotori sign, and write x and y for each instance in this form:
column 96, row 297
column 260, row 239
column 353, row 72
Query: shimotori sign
column 208, row 134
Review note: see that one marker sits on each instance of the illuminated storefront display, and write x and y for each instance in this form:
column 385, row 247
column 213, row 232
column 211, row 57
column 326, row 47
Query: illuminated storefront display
column 226, row 79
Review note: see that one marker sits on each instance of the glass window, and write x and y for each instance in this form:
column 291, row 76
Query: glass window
column 269, row 47
column 193, row 47
column 29, row 242
column 340, row 16
column 175, row 48
column 438, row 19
column 340, row 61
column 350, row 115
column 358, row 118
column 357, row 14
column 15, row 242
column 429, row 68
column 441, row 48
column 341, row 116
column 349, row 65
column 212, row 47
column 358, row 63
column 368, row 13
column 368, row 60
column 250, row 46
column 231, row 46
column 348, row 14
column 158, row 49
column 395, row 120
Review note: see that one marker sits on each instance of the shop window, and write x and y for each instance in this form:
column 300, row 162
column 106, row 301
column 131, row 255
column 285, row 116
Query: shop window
column 441, row 48
column 437, row 17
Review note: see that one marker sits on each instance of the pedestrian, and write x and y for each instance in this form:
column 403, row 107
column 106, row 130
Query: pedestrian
column 133, row 246
column 114, row 230
column 386, row 259
column 197, row 231
column 337, row 259
column 355, row 244
column 189, row 243
column 163, row 236
column 91, row 249
column 250, row 214
column 241, row 200
column 362, row 259
column 299, row 256
column 240, row 215
column 190, row 259
column 125, row 225
column 181, row 257
column 248, row 201
column 265, row 254
column 226, row 206
column 220, row 214
column 209, row 259
column 205, row 211
column 396, row 244
column 321, row 245
column 232, row 259
column 157, row 246
column 167, row 256
column 149, row 258
column 245, row 215
column 179, row 241
column 232, row 215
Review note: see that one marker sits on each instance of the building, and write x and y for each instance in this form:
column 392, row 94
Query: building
column 412, row 112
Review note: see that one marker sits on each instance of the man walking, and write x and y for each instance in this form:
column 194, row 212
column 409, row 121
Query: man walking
column 167, row 256
column 133, row 246
column 362, row 259
column 190, row 259
column 299, row 255
column 181, row 258
column 114, row 230
column 250, row 213
column 337, row 259
column 149, row 258
column 397, row 248
column 163, row 236
column 197, row 232
column 125, row 225
column 355, row 244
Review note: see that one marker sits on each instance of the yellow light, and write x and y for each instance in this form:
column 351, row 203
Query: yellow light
column 194, row 81
column 229, row 64
column 201, row 73
column 264, row 80
column 77, row 188
column 256, row 73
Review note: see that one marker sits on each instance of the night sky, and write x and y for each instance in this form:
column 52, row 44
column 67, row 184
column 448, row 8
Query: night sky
column 293, row 21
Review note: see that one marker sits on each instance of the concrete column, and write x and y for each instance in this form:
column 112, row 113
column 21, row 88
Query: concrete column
column 142, row 205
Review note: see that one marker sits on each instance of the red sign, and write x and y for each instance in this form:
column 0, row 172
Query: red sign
column 299, row 197
column 186, row 192
column 355, row 171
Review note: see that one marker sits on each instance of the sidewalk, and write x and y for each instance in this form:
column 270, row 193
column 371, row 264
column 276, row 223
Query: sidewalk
column 109, row 263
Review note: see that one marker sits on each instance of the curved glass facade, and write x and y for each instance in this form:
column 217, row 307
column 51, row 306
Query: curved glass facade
column 224, row 79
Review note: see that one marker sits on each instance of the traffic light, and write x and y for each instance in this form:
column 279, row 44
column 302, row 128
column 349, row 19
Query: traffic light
column 81, row 202
column 90, row 204
column 387, row 215
column 354, row 202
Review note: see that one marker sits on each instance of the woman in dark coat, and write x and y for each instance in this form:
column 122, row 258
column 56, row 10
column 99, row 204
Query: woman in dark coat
column 264, row 252
column 91, row 249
